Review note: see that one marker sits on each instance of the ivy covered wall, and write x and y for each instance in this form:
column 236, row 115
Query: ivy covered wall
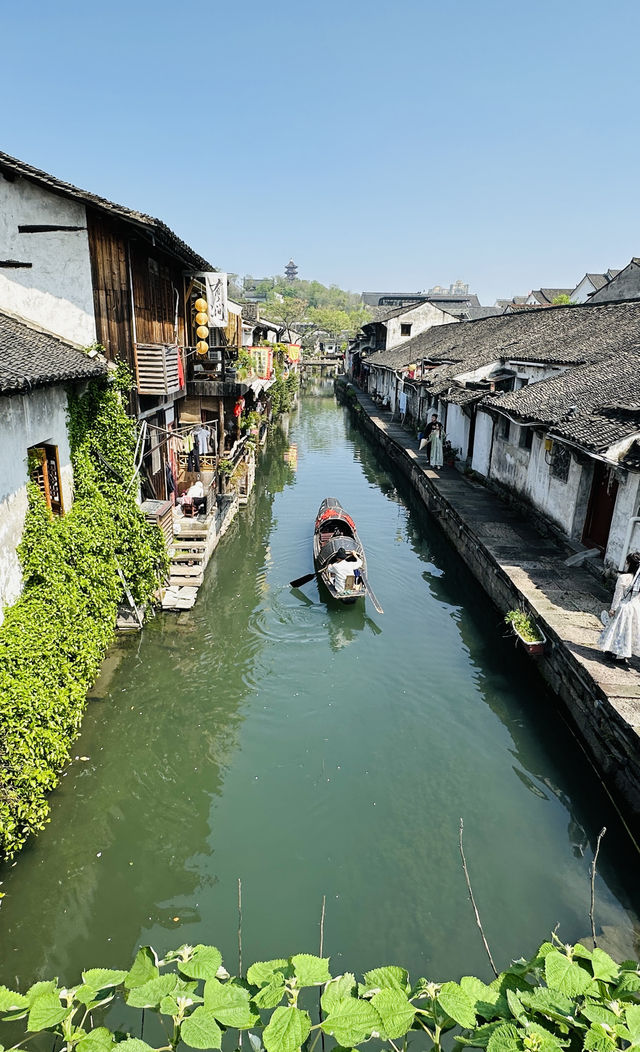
column 54, row 637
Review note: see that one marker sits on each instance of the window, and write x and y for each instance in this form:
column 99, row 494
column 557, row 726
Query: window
column 44, row 470
column 560, row 462
column 504, row 429
column 526, row 437
column 405, row 328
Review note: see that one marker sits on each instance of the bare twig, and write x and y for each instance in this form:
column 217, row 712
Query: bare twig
column 473, row 903
column 322, row 914
column 593, row 885
column 240, row 944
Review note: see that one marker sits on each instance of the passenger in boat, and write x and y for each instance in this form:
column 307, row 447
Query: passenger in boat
column 345, row 565
column 620, row 638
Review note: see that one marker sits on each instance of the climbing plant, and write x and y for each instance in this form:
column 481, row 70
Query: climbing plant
column 283, row 390
column 54, row 637
column 564, row 997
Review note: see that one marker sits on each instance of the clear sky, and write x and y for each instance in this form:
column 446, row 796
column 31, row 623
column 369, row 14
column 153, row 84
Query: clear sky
column 382, row 145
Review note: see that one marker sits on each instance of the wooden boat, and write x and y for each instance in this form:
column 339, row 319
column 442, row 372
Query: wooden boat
column 336, row 545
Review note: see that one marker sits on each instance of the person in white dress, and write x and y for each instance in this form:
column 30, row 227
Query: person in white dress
column 436, row 439
column 620, row 639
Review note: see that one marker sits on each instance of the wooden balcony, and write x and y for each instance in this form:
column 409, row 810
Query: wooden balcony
column 157, row 369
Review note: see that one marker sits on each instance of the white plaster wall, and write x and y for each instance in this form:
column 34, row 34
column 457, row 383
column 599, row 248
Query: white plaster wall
column 26, row 420
column 458, row 424
column 482, row 443
column 627, row 506
column 56, row 291
column 528, row 474
column 421, row 318
column 581, row 292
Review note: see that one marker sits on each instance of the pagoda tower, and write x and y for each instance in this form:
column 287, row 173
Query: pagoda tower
column 291, row 271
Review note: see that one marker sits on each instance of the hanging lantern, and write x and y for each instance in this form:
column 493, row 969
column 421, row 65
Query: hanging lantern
column 202, row 317
column 202, row 332
column 202, row 347
column 201, row 305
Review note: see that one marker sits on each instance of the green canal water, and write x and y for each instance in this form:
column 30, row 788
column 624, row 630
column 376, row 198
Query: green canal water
column 313, row 750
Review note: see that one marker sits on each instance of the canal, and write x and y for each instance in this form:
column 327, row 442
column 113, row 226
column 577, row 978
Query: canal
column 315, row 750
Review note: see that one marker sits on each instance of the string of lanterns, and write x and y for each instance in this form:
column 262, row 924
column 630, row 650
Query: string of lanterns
column 202, row 330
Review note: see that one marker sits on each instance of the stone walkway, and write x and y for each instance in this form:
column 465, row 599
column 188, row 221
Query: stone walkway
column 567, row 599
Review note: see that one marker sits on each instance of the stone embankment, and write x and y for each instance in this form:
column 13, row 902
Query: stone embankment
column 519, row 567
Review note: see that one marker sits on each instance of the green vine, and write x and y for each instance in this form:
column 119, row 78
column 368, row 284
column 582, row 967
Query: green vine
column 564, row 997
column 283, row 392
column 54, row 637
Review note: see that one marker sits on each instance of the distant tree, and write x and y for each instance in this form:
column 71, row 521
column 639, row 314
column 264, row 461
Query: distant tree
column 288, row 311
column 560, row 300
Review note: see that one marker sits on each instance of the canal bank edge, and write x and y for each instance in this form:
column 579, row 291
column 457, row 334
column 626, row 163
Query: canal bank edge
column 518, row 568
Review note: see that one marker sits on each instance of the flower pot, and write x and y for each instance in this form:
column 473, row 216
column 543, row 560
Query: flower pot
column 534, row 649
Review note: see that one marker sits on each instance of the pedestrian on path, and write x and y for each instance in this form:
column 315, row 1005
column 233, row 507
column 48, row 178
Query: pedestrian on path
column 620, row 639
column 436, row 441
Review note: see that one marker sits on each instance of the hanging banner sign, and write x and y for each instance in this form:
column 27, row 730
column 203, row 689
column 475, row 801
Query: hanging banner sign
column 216, row 286
column 293, row 352
column 262, row 358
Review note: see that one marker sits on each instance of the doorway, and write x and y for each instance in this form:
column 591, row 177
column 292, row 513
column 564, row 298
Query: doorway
column 602, row 500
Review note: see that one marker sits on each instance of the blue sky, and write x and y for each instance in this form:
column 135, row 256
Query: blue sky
column 384, row 146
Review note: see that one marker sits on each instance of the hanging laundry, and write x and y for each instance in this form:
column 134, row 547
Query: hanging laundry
column 201, row 437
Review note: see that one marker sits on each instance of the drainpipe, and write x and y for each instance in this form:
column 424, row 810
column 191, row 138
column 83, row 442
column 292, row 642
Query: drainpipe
column 627, row 541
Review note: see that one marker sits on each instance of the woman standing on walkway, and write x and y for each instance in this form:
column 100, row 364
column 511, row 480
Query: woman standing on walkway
column 436, row 439
column 620, row 639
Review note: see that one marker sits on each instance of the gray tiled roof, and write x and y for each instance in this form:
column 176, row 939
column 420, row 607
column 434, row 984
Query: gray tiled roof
column 593, row 405
column 31, row 358
column 564, row 335
column 164, row 235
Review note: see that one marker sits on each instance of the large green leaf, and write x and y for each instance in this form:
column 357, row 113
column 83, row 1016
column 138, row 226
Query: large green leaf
column 46, row 986
column 103, row 978
column 150, row 994
column 565, row 975
column 550, row 1003
column 287, row 1029
column 596, row 1012
column 395, row 1010
column 479, row 1036
column 549, row 1041
column 505, row 1038
column 391, row 977
column 98, row 1040
column 262, row 972
column 201, row 1030
column 604, row 967
column 598, row 1040
column 230, row 1004
column 46, row 1011
column 352, row 1021
column 270, row 996
column 202, row 964
column 632, row 1019
column 457, row 1004
column 476, row 990
column 144, row 968
column 310, row 970
column 338, row 989
column 629, row 983
column 10, row 1001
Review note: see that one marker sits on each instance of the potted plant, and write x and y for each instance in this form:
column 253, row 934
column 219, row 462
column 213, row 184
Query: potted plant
column 527, row 631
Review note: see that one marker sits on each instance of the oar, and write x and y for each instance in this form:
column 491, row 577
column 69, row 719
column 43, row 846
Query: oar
column 302, row 580
column 372, row 597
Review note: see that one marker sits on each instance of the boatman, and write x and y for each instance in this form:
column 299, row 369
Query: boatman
column 344, row 566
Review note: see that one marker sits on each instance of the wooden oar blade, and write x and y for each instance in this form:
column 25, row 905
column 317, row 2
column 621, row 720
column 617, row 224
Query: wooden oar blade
column 302, row 580
column 371, row 595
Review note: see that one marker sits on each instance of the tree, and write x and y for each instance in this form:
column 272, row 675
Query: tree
column 290, row 312
column 561, row 300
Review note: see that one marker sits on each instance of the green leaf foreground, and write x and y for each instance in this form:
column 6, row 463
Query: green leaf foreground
column 564, row 997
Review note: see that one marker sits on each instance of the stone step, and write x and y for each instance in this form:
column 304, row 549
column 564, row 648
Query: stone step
column 187, row 544
column 188, row 558
column 176, row 580
column 184, row 570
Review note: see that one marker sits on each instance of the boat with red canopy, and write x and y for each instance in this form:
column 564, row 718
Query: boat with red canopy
column 338, row 554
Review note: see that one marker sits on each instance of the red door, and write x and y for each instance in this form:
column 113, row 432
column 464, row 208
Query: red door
column 602, row 501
